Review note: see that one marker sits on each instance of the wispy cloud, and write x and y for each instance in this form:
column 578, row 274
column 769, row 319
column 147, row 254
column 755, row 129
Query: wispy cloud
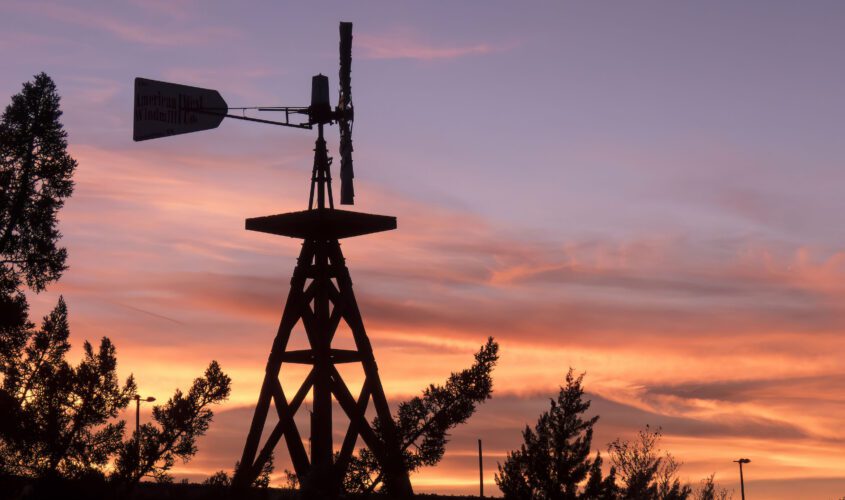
column 94, row 91
column 149, row 33
column 10, row 40
column 648, row 317
column 407, row 45
column 241, row 82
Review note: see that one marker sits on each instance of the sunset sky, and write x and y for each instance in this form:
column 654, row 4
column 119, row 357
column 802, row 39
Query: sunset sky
column 650, row 192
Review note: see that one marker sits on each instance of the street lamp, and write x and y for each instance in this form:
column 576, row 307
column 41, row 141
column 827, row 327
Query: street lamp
column 741, row 481
column 138, row 423
column 138, row 410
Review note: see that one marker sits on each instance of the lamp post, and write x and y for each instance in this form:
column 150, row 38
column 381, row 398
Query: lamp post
column 741, row 480
column 138, row 410
column 138, row 422
column 480, row 473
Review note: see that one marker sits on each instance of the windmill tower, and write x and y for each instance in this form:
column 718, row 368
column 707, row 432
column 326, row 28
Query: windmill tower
column 320, row 297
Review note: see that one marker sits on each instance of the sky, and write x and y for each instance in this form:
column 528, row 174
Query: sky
column 649, row 192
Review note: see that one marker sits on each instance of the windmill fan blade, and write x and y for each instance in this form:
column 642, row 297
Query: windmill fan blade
column 347, row 190
column 345, row 77
column 344, row 104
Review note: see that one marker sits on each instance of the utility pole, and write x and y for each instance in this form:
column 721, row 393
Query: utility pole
column 741, row 480
column 480, row 473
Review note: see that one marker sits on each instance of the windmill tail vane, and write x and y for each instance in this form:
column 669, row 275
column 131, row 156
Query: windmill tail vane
column 164, row 109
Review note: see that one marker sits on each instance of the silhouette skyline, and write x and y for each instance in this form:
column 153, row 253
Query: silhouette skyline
column 658, row 194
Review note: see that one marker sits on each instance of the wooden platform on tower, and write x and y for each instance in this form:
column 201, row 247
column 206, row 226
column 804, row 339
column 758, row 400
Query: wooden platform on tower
column 325, row 223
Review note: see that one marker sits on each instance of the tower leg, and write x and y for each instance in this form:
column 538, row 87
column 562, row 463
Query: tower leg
column 397, row 482
column 248, row 468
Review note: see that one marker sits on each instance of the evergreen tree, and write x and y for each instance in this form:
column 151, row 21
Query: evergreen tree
column 554, row 458
column 178, row 424
column 63, row 412
column 35, row 179
column 423, row 423
column 598, row 488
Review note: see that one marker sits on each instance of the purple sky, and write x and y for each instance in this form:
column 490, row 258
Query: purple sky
column 647, row 191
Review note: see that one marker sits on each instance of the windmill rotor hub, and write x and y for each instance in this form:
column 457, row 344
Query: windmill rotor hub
column 320, row 111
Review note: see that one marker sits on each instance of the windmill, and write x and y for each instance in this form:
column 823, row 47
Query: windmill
column 320, row 297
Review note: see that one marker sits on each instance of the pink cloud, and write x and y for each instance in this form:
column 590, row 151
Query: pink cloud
column 402, row 45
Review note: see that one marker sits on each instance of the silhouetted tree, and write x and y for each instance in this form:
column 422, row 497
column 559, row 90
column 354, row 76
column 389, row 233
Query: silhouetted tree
column 15, row 332
column 263, row 479
column 598, row 488
column 178, row 423
column 645, row 472
column 292, row 481
column 423, row 423
column 709, row 490
column 14, row 316
column 63, row 412
column 222, row 478
column 554, row 459
column 35, row 178
column 511, row 478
